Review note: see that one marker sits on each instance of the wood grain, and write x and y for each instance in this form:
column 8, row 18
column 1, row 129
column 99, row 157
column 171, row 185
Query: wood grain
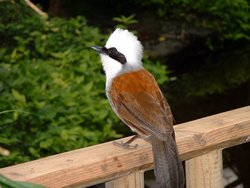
column 133, row 180
column 105, row 162
column 205, row 171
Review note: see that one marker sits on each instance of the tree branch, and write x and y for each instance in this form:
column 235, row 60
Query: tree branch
column 35, row 8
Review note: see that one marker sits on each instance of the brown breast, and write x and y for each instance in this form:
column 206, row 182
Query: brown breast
column 138, row 101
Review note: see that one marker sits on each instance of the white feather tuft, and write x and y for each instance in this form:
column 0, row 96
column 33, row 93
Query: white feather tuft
column 126, row 43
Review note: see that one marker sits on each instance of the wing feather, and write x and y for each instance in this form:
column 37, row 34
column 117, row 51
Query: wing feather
column 144, row 108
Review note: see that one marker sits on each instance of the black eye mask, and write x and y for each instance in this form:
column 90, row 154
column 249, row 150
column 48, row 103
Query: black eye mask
column 115, row 54
column 111, row 52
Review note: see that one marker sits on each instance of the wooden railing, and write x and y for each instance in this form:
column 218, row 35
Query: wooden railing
column 200, row 143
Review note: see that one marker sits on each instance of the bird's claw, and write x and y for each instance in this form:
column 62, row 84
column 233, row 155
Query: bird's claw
column 125, row 145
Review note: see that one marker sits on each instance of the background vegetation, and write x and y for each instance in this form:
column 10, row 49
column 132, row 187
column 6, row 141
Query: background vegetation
column 229, row 19
column 52, row 85
column 52, row 96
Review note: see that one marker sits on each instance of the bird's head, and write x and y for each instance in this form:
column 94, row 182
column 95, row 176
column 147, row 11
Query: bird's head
column 122, row 53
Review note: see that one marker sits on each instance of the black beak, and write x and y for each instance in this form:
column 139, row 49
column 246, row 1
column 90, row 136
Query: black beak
column 98, row 49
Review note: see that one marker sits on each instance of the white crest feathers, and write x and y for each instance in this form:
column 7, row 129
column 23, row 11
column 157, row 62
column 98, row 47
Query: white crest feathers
column 127, row 44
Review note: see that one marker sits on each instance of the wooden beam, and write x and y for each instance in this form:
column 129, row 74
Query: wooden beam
column 133, row 180
column 205, row 171
column 105, row 162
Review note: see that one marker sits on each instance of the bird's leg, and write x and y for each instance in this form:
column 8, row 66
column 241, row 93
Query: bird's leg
column 127, row 144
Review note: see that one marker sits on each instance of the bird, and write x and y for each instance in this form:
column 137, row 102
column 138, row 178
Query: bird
column 138, row 101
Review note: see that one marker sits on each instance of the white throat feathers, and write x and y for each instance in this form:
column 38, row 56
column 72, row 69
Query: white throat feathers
column 128, row 46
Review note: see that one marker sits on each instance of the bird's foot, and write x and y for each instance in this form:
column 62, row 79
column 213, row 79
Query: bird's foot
column 125, row 145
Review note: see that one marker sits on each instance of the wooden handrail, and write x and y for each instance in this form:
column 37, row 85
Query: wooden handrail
column 105, row 162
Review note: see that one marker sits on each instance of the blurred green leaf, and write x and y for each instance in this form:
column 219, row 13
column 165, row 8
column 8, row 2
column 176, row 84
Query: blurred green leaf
column 18, row 96
column 7, row 183
column 125, row 21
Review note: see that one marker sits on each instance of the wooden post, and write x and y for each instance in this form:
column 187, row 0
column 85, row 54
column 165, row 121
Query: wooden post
column 205, row 171
column 133, row 180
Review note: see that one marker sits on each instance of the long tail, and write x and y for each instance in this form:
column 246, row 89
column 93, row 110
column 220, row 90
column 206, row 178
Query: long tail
column 168, row 167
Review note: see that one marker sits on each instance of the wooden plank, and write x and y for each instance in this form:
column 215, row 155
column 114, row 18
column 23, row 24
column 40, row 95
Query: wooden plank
column 105, row 162
column 205, row 171
column 133, row 180
column 218, row 131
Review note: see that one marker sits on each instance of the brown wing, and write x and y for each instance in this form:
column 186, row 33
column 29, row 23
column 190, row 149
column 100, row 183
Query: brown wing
column 138, row 101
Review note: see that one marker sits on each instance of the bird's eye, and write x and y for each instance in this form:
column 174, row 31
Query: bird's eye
column 112, row 50
column 115, row 54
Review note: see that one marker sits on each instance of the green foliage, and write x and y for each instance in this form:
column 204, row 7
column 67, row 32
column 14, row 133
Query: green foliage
column 7, row 183
column 52, row 88
column 159, row 71
column 52, row 85
column 124, row 21
column 232, row 70
column 230, row 19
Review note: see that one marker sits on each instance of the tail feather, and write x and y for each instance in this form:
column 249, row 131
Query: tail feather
column 168, row 167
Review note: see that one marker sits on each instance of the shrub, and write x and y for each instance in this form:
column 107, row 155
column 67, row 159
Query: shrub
column 52, row 85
